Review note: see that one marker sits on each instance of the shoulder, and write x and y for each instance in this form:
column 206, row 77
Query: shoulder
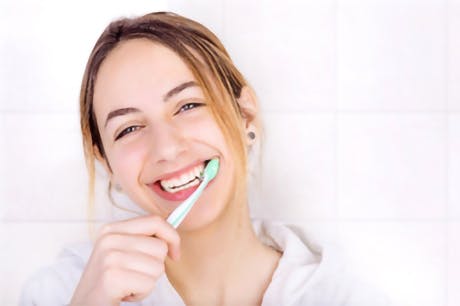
column 312, row 273
column 55, row 284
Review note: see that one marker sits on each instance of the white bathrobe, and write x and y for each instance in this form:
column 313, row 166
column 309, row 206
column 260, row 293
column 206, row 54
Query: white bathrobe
column 305, row 276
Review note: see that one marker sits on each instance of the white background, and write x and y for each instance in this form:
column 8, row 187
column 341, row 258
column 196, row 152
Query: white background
column 361, row 104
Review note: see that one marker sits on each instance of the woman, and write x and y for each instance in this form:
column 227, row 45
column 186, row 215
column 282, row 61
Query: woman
column 160, row 98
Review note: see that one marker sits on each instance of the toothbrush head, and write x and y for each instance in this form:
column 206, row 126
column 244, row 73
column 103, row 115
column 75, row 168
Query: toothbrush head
column 211, row 169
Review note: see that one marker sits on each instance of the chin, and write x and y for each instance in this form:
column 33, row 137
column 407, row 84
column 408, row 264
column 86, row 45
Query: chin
column 207, row 213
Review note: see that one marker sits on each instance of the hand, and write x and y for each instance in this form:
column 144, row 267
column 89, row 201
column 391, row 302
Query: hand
column 126, row 262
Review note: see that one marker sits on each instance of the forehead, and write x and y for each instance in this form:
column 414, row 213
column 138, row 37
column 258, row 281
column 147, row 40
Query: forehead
column 137, row 69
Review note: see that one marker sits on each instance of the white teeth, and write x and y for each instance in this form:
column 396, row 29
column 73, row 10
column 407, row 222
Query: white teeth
column 176, row 182
column 186, row 177
column 197, row 172
column 180, row 183
column 176, row 189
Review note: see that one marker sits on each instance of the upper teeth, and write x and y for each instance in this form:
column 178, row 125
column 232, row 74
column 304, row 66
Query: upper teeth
column 179, row 183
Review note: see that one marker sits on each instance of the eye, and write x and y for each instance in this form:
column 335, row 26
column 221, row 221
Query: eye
column 188, row 106
column 127, row 131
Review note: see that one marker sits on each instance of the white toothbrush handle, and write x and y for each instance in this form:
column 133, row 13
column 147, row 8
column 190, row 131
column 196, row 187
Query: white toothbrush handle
column 176, row 217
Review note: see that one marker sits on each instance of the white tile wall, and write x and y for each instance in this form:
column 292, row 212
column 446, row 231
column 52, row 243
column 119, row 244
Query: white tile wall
column 287, row 51
column 47, row 179
column 404, row 259
column 453, row 266
column 391, row 55
column 45, row 45
column 359, row 97
column 3, row 162
column 392, row 165
column 305, row 189
column 453, row 59
column 209, row 13
column 454, row 166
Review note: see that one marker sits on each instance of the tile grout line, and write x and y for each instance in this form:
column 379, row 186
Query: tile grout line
column 52, row 221
column 446, row 153
column 335, row 114
column 271, row 111
column 38, row 112
column 447, row 209
column 305, row 220
column 361, row 112
column 224, row 18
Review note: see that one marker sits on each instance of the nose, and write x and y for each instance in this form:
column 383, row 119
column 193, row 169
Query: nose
column 167, row 143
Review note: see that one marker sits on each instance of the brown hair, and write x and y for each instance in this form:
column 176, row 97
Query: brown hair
column 204, row 55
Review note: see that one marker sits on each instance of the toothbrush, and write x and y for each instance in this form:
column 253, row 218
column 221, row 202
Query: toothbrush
column 209, row 173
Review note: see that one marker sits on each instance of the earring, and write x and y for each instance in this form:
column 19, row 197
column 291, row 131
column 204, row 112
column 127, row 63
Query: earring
column 118, row 187
column 252, row 135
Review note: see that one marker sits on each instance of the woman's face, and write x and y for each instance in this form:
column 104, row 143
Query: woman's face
column 158, row 131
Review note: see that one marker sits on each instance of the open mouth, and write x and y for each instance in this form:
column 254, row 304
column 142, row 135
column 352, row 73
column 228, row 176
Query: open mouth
column 180, row 186
column 186, row 180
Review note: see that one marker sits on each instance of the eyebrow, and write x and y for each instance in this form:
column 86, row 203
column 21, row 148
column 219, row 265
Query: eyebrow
column 178, row 89
column 128, row 110
column 120, row 112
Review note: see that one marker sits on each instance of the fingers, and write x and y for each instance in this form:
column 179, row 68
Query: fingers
column 127, row 260
column 147, row 226
column 133, row 261
column 147, row 245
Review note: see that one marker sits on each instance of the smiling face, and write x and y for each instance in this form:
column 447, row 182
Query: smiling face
column 157, row 131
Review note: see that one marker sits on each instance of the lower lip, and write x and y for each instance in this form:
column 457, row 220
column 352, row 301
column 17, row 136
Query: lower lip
column 177, row 196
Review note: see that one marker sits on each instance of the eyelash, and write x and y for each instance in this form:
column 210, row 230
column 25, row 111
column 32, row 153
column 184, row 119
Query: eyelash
column 186, row 107
column 127, row 131
column 133, row 128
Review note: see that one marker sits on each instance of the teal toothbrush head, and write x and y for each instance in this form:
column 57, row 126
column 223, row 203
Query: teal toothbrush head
column 211, row 169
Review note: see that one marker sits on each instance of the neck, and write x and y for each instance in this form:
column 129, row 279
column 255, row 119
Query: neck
column 218, row 259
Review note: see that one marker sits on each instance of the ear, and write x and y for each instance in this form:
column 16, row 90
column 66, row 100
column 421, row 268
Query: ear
column 248, row 107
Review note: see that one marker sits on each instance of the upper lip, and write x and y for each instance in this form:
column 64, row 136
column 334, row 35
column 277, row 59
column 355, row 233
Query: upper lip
column 177, row 173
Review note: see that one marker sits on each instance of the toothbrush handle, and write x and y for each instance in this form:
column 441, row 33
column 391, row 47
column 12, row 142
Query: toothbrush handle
column 178, row 215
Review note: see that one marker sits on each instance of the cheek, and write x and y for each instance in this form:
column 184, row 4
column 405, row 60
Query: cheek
column 127, row 163
column 206, row 130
